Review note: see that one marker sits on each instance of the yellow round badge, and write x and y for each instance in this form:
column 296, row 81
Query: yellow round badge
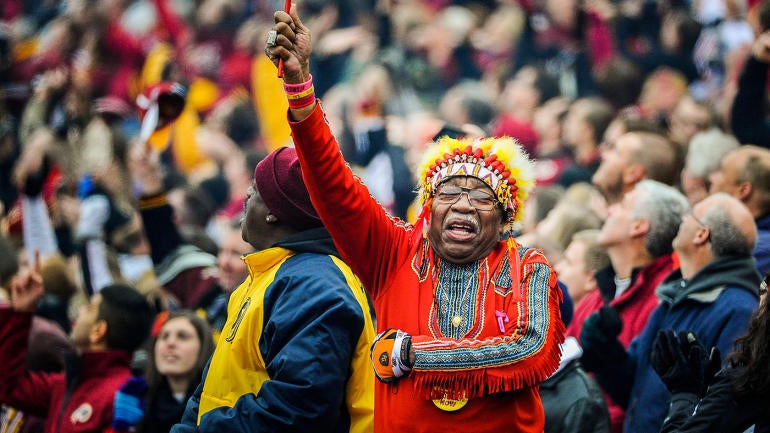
column 449, row 404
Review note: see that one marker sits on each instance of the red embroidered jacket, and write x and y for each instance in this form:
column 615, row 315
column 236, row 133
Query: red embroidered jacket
column 499, row 371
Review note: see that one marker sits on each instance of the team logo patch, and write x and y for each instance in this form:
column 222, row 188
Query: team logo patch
column 82, row 414
column 234, row 327
column 384, row 359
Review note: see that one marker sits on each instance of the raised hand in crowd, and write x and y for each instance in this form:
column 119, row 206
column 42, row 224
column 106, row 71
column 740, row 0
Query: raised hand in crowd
column 760, row 49
column 144, row 165
column 27, row 287
column 293, row 45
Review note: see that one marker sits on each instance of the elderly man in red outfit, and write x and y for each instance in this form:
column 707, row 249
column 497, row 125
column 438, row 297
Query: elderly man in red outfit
column 469, row 319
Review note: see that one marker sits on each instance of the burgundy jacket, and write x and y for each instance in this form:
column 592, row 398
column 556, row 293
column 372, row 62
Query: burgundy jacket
column 80, row 400
column 634, row 305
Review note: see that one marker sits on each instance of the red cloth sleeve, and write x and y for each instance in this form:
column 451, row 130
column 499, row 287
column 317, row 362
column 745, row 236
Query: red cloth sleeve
column 27, row 391
column 360, row 226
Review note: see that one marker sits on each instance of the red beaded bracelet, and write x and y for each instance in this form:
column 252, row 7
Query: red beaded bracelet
column 302, row 103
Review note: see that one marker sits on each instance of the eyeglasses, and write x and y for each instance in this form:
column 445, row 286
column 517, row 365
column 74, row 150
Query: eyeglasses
column 699, row 222
column 450, row 194
column 607, row 145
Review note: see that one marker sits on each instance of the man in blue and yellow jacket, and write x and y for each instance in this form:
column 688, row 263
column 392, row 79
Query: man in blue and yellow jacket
column 294, row 352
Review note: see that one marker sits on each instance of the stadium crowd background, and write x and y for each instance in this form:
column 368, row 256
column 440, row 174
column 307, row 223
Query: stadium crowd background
column 83, row 83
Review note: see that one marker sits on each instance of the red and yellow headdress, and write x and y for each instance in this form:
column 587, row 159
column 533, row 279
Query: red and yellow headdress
column 501, row 163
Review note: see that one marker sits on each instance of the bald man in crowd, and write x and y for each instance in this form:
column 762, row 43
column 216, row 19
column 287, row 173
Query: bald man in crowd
column 744, row 173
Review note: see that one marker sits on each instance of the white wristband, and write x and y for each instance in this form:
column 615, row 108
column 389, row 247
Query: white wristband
column 399, row 368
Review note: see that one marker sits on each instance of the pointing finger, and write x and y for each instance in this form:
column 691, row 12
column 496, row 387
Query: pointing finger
column 36, row 264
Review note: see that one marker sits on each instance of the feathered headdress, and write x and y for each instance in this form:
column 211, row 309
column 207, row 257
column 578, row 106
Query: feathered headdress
column 501, row 163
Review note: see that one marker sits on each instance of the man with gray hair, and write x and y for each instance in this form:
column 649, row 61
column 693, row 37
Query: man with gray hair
column 637, row 235
column 713, row 294
column 704, row 153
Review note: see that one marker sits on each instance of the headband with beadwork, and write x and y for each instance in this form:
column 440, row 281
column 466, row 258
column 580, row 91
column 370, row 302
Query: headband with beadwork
column 501, row 163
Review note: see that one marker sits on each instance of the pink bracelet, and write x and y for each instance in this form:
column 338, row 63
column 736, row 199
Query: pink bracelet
column 291, row 89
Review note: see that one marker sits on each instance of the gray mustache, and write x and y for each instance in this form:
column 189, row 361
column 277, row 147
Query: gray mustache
column 467, row 218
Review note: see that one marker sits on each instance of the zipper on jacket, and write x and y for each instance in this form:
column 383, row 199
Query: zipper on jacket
column 71, row 375
column 64, row 403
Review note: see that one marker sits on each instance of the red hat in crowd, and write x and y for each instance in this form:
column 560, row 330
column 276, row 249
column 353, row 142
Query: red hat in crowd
column 159, row 105
column 279, row 181
column 521, row 130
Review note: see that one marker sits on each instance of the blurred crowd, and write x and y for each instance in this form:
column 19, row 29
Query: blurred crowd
column 635, row 112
